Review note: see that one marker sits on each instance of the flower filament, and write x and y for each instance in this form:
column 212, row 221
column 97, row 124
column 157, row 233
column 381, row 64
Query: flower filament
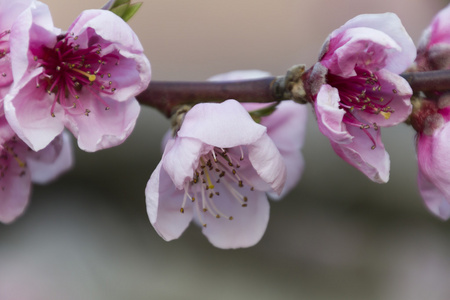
column 69, row 70
column 217, row 167
column 361, row 93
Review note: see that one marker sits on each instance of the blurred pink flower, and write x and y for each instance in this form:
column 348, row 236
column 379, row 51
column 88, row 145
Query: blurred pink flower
column 286, row 126
column 356, row 89
column 433, row 51
column 85, row 79
column 20, row 166
column 430, row 118
column 433, row 150
column 217, row 170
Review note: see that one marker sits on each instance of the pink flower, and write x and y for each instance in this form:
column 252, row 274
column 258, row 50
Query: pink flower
column 356, row 89
column 431, row 122
column 85, row 79
column 19, row 166
column 430, row 118
column 217, row 170
column 286, row 126
column 433, row 52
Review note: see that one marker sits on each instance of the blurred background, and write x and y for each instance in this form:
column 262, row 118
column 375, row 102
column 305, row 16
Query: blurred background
column 336, row 236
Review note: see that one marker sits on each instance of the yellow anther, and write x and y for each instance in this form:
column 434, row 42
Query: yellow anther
column 386, row 115
column 91, row 77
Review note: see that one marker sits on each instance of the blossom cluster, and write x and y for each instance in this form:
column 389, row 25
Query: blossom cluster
column 221, row 162
column 355, row 89
column 84, row 79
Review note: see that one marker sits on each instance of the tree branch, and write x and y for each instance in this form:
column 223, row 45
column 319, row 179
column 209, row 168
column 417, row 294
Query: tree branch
column 167, row 96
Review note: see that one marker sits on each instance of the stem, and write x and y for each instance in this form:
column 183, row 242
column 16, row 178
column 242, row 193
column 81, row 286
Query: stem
column 428, row 81
column 168, row 96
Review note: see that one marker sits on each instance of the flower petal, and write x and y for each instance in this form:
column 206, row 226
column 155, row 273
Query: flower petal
column 15, row 191
column 163, row 205
column 28, row 114
column 248, row 224
column 181, row 158
column 218, row 124
column 103, row 128
column 432, row 158
column 50, row 162
column 374, row 163
column 365, row 47
column 287, row 128
column 330, row 116
column 268, row 162
column 389, row 24
column 436, row 201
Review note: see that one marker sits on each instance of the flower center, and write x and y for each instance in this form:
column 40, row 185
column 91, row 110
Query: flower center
column 216, row 167
column 68, row 70
column 361, row 93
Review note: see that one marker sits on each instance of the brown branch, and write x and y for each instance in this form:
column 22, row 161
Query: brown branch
column 428, row 81
column 168, row 96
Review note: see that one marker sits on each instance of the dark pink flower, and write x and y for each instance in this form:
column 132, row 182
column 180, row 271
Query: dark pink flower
column 85, row 79
column 433, row 51
column 431, row 119
column 356, row 89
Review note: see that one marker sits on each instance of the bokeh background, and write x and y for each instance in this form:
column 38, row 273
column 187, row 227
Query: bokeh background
column 336, row 236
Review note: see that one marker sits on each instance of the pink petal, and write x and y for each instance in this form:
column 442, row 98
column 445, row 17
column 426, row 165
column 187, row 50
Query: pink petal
column 330, row 116
column 268, row 162
column 15, row 190
column 287, row 125
column 440, row 27
column 103, row 128
column 390, row 24
column 181, row 158
column 217, row 124
column 163, row 205
column 436, row 201
column 365, row 47
column 50, row 162
column 248, row 224
column 287, row 128
column 28, row 114
column 374, row 163
column 432, row 157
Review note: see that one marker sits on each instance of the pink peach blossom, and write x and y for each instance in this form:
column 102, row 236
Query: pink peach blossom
column 85, row 79
column 356, row 89
column 216, row 170
column 433, row 51
column 431, row 117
